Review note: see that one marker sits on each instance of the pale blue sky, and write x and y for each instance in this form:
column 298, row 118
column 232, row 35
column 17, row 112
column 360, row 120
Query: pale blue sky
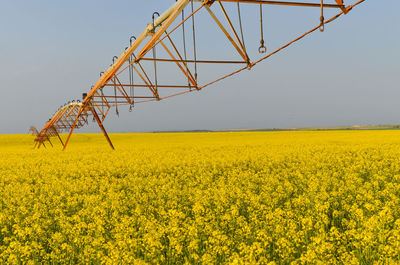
column 52, row 51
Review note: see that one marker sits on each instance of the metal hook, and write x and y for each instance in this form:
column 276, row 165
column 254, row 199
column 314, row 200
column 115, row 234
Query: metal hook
column 322, row 19
column 153, row 17
column 130, row 40
column 131, row 70
column 322, row 25
column 101, row 73
column 115, row 57
column 262, row 48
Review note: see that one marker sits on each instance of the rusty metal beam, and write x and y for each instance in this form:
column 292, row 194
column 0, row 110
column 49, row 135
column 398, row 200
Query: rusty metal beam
column 161, row 86
column 187, row 74
column 234, row 32
column 226, row 33
column 193, row 61
column 174, row 14
column 102, row 127
column 125, row 97
column 283, row 3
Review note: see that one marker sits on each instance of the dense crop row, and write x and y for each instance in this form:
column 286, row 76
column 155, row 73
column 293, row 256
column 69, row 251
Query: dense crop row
column 283, row 197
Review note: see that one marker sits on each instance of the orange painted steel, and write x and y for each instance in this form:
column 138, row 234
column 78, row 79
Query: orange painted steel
column 111, row 90
column 61, row 121
column 282, row 3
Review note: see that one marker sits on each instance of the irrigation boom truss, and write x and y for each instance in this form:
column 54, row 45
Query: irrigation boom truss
column 128, row 74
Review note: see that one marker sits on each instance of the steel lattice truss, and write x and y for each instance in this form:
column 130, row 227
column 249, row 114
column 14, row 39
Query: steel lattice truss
column 133, row 76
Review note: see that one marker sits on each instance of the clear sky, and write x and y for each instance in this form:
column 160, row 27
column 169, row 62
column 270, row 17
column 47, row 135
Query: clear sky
column 52, row 51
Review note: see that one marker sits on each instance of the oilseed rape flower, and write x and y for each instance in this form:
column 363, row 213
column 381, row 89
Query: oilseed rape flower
column 203, row 198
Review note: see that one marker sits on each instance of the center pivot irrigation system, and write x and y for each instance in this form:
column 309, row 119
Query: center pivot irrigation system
column 133, row 77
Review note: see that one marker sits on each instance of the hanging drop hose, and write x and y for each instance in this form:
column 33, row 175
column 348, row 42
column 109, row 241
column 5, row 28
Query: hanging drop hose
column 131, row 77
column 116, row 102
column 184, row 44
column 262, row 48
column 102, row 94
column 240, row 24
column 130, row 81
column 242, row 35
column 93, row 120
column 194, row 44
column 115, row 90
column 322, row 19
column 155, row 56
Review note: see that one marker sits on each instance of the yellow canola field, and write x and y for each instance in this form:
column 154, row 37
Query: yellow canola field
column 202, row 198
